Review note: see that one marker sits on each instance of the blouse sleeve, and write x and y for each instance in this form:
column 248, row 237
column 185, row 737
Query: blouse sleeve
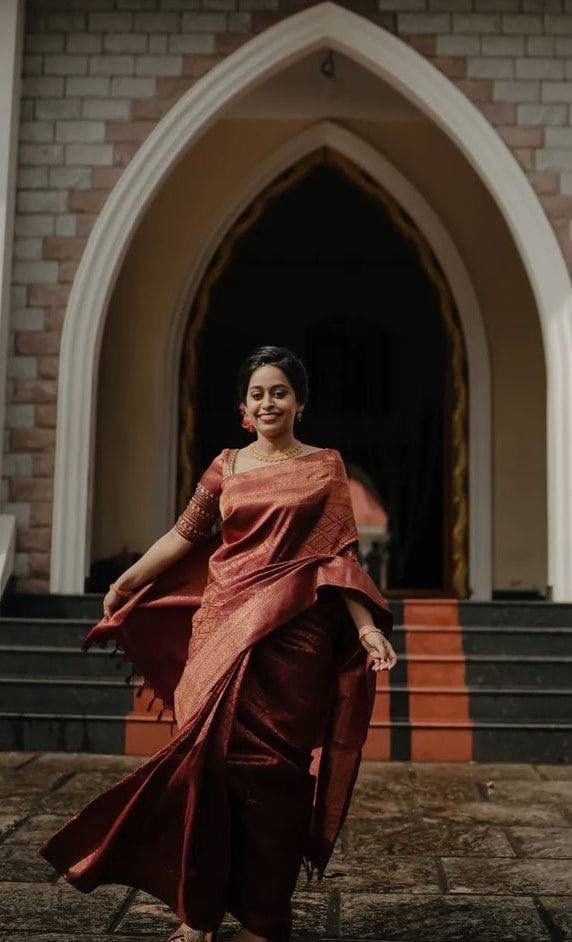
column 197, row 518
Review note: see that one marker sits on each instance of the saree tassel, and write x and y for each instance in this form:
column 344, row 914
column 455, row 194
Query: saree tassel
column 102, row 643
column 130, row 677
column 140, row 689
column 150, row 704
column 160, row 714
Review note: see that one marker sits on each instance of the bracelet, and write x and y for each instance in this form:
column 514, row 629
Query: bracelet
column 120, row 591
column 367, row 629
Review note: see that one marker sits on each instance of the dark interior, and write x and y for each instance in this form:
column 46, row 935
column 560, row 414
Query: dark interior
column 326, row 272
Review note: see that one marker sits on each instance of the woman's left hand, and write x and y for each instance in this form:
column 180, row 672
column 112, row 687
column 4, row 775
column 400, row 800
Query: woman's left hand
column 379, row 649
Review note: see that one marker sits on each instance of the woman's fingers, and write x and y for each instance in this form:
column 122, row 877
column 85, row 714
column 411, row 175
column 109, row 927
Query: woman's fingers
column 378, row 647
column 110, row 602
column 384, row 658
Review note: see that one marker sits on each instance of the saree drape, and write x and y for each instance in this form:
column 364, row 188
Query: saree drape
column 249, row 640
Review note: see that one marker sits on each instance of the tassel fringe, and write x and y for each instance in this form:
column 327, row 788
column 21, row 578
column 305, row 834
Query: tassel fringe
column 119, row 652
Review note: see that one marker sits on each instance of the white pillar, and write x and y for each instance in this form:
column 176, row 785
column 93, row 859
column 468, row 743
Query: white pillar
column 11, row 32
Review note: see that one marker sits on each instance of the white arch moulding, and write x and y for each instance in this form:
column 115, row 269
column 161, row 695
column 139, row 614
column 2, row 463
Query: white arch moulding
column 324, row 25
column 354, row 148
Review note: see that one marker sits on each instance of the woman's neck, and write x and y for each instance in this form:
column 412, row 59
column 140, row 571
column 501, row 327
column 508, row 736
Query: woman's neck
column 273, row 445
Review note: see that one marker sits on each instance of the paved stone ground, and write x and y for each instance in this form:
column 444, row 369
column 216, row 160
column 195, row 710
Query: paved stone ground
column 429, row 852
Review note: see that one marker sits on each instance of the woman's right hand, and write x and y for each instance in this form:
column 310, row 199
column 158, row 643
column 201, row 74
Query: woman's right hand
column 113, row 600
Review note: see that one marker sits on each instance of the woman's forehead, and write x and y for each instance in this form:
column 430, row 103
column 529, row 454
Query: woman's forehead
column 268, row 375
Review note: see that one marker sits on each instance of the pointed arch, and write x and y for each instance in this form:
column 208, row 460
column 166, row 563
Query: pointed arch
column 324, row 25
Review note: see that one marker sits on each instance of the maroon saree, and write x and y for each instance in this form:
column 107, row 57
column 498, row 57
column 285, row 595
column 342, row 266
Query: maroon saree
column 249, row 640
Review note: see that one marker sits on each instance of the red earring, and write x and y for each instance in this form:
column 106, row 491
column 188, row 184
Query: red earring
column 246, row 423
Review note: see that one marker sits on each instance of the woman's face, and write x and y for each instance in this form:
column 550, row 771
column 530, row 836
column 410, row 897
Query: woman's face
column 271, row 401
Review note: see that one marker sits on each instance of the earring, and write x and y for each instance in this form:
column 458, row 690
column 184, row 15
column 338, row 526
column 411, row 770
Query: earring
column 246, row 423
column 299, row 416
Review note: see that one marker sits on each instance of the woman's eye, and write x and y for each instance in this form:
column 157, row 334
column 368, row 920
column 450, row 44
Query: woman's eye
column 278, row 395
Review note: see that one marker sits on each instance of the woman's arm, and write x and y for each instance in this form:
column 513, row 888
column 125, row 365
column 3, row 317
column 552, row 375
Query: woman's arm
column 371, row 637
column 165, row 551
column 360, row 615
column 192, row 525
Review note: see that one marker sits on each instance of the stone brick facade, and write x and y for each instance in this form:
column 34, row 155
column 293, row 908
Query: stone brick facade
column 100, row 74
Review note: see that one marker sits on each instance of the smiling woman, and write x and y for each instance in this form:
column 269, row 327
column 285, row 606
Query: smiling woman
column 272, row 397
column 260, row 639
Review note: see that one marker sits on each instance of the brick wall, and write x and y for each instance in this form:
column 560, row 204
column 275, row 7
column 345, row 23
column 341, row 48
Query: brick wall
column 99, row 74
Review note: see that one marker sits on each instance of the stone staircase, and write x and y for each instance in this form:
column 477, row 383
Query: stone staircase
column 54, row 697
column 477, row 680
column 484, row 681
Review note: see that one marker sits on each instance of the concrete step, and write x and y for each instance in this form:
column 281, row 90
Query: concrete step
column 506, row 671
column 508, row 613
column 101, row 733
column 65, row 695
column 47, row 605
column 50, row 661
column 491, row 741
column 482, row 639
column 489, row 670
column 442, row 704
column 56, row 632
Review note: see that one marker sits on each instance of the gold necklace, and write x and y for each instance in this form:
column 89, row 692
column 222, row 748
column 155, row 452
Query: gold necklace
column 282, row 455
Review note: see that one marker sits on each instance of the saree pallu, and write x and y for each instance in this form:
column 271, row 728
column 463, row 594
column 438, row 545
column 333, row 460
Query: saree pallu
column 250, row 641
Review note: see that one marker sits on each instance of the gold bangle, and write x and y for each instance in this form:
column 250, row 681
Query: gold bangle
column 120, row 591
column 367, row 629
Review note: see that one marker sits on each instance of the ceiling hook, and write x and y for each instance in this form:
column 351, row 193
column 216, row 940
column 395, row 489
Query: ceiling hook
column 328, row 66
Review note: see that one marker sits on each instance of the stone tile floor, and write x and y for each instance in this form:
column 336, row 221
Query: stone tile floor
column 433, row 852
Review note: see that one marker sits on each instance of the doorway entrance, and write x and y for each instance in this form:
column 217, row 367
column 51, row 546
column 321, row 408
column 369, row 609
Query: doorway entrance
column 326, row 263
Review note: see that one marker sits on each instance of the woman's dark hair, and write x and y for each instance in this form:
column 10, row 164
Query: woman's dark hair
column 285, row 360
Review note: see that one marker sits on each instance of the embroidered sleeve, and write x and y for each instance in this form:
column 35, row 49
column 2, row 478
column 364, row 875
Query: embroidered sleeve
column 197, row 518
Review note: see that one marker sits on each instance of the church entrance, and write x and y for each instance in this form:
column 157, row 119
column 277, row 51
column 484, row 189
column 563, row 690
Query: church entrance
column 325, row 263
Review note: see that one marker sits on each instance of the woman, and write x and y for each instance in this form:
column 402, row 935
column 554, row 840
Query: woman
column 272, row 679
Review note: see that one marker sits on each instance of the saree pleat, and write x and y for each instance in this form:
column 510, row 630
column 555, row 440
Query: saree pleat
column 249, row 640
column 258, row 789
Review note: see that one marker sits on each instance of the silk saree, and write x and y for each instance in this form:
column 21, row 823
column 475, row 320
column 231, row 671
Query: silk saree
column 248, row 639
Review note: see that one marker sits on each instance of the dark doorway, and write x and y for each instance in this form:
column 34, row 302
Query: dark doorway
column 325, row 270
